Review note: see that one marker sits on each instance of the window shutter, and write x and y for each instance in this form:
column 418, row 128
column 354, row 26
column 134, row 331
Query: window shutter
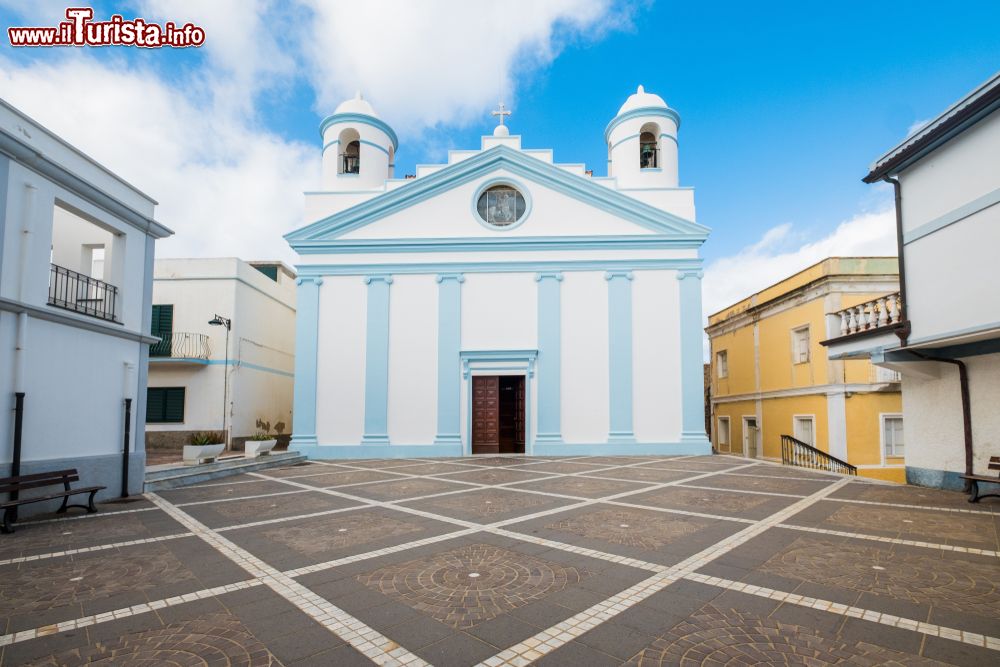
column 162, row 327
column 154, row 405
column 173, row 409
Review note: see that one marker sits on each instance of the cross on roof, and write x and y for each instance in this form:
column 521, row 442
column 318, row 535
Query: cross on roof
column 500, row 112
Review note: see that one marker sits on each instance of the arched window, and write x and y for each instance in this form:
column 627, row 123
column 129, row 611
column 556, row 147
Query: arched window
column 649, row 149
column 350, row 152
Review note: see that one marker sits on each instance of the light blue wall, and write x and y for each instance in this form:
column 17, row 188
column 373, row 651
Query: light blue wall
column 306, row 360
column 377, row 362
column 549, row 358
column 692, row 368
column 620, row 356
column 449, row 395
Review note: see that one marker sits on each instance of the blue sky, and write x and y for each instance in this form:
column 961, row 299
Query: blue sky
column 783, row 105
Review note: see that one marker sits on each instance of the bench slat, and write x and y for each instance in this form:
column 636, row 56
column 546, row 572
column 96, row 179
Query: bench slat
column 38, row 475
column 40, row 483
column 51, row 496
column 982, row 478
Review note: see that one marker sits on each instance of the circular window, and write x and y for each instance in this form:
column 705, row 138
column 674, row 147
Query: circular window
column 501, row 206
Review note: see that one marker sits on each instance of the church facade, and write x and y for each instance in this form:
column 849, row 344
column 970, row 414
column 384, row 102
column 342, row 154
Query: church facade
column 502, row 302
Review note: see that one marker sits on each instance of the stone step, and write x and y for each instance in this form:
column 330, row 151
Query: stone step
column 175, row 475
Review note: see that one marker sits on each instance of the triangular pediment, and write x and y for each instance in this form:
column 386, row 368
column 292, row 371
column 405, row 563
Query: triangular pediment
column 440, row 206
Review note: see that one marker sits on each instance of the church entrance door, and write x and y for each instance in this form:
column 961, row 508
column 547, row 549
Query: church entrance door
column 498, row 424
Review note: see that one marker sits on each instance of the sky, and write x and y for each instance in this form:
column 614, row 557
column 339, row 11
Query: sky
column 783, row 105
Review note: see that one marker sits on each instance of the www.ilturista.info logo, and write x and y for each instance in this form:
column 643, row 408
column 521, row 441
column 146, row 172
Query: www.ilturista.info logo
column 81, row 30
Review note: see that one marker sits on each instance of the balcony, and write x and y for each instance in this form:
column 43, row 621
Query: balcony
column 879, row 375
column 82, row 294
column 870, row 325
column 181, row 347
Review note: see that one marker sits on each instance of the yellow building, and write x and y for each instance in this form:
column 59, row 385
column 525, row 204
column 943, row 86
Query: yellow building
column 771, row 375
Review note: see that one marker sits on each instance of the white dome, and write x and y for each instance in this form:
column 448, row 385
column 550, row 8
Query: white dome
column 357, row 104
column 641, row 99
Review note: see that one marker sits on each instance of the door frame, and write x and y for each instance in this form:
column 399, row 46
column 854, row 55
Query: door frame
column 498, row 362
column 746, row 431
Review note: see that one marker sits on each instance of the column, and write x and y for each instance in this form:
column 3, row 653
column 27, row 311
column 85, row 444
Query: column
column 306, row 354
column 692, row 374
column 620, row 356
column 549, row 364
column 449, row 370
column 377, row 362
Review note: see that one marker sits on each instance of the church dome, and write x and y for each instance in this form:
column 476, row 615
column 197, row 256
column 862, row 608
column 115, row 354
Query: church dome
column 357, row 104
column 640, row 99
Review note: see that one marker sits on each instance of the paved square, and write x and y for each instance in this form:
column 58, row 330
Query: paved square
column 511, row 560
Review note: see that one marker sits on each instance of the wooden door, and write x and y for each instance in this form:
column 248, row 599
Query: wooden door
column 512, row 414
column 485, row 414
column 519, row 424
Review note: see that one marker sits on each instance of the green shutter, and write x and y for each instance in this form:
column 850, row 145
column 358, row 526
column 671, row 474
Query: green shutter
column 164, row 405
column 162, row 327
column 269, row 270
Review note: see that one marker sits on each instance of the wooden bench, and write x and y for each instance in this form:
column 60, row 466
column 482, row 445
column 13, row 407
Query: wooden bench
column 974, row 495
column 40, row 480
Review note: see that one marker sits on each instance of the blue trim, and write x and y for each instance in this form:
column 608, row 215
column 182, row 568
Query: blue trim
column 306, row 355
column 510, row 182
column 669, row 136
column 623, row 449
column 377, row 362
column 937, row 479
column 236, row 364
column 950, row 218
column 320, row 452
column 363, row 120
column 157, row 361
column 690, row 264
column 495, row 244
column 4, row 193
column 470, row 357
column 692, row 370
column 360, row 141
column 580, row 188
column 642, row 112
column 636, row 136
column 449, row 367
column 620, row 356
column 643, row 170
column 549, row 358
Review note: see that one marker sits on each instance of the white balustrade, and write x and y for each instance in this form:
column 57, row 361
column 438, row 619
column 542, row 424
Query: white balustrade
column 875, row 314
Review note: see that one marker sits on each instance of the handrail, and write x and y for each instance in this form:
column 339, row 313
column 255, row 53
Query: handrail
column 81, row 293
column 794, row 452
column 181, row 345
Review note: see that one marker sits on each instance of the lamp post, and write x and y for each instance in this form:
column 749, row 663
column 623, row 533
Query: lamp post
column 220, row 321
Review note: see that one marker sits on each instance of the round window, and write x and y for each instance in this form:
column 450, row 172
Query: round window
column 500, row 206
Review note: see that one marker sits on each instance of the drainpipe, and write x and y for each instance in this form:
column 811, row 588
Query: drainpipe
column 903, row 332
column 21, row 336
column 963, row 383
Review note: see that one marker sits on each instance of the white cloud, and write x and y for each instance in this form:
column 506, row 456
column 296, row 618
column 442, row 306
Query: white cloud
column 225, row 186
column 916, row 126
column 780, row 253
column 442, row 61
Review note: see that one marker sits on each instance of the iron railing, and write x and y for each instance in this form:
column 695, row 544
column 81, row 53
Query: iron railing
column 794, row 452
column 352, row 164
column 82, row 294
column 181, row 345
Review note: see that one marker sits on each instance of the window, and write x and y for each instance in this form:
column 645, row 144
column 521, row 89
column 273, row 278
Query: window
column 803, row 429
column 892, row 434
column 162, row 327
column 350, row 152
column 649, row 137
column 500, row 206
column 722, row 364
column 800, row 345
column 723, row 435
column 269, row 270
column 164, row 405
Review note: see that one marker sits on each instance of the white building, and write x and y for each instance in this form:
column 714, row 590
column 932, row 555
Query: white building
column 76, row 270
column 946, row 339
column 193, row 379
column 501, row 302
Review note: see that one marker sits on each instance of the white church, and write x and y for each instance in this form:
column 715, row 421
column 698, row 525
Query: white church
column 502, row 302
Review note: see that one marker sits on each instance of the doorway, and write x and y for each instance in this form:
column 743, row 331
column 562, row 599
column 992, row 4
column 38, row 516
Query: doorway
column 498, row 424
column 750, row 435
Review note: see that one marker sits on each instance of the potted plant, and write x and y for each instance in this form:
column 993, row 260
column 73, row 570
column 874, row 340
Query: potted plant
column 204, row 447
column 260, row 443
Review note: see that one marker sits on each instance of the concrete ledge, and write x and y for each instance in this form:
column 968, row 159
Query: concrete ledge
column 321, row 452
column 173, row 476
column 623, row 449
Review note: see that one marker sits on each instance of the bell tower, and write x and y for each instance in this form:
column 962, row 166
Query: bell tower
column 642, row 142
column 359, row 148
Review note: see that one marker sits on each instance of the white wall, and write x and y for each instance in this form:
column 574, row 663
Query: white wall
column 340, row 374
column 500, row 311
column 585, row 407
column 413, row 336
column 656, row 356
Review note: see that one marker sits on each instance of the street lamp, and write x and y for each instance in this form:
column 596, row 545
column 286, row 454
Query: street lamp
column 220, row 321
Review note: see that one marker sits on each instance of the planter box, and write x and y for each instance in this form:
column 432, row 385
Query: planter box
column 195, row 454
column 254, row 448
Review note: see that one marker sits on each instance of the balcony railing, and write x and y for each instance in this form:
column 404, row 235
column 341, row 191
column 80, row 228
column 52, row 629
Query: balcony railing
column 797, row 453
column 180, row 345
column 82, row 294
column 880, row 313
